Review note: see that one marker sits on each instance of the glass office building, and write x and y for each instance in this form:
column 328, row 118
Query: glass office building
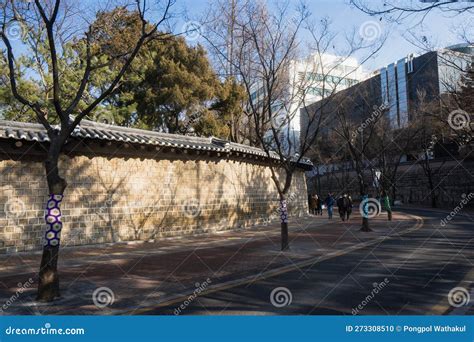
column 401, row 86
column 394, row 90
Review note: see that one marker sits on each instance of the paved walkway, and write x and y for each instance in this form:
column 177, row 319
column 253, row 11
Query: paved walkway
column 425, row 271
column 141, row 275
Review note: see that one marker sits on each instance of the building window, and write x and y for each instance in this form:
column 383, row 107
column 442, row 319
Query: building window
column 410, row 63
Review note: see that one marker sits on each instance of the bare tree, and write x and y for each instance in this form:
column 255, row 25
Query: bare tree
column 399, row 11
column 359, row 143
column 219, row 26
column 456, row 103
column 267, row 59
column 271, row 42
column 57, row 24
column 390, row 148
column 432, row 133
column 414, row 14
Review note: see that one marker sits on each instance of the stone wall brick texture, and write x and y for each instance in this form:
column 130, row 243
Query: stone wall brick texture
column 124, row 199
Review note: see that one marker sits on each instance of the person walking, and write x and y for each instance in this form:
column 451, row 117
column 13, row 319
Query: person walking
column 319, row 205
column 349, row 206
column 341, row 205
column 329, row 201
column 312, row 204
column 386, row 205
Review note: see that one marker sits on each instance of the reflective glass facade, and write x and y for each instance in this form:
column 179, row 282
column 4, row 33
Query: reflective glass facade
column 404, row 86
column 384, row 86
column 392, row 95
column 402, row 94
column 394, row 91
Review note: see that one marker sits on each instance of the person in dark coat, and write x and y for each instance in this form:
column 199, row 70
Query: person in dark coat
column 342, row 207
column 312, row 204
column 329, row 201
column 349, row 206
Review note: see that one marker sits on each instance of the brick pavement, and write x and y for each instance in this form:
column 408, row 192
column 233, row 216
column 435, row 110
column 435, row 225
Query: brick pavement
column 144, row 274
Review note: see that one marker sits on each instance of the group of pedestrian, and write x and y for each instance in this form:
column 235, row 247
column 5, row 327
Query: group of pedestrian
column 315, row 205
column 344, row 204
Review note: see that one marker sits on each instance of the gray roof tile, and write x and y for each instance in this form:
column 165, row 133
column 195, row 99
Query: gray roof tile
column 92, row 130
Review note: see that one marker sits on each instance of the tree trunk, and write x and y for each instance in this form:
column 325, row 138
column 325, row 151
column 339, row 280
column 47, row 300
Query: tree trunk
column 365, row 225
column 364, row 198
column 284, row 225
column 365, row 213
column 48, row 284
column 434, row 201
column 394, row 194
column 432, row 193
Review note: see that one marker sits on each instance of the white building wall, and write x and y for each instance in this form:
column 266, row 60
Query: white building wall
column 315, row 78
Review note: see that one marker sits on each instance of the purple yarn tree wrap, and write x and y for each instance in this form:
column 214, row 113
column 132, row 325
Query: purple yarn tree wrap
column 283, row 211
column 53, row 221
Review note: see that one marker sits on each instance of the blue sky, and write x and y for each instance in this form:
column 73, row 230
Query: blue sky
column 437, row 27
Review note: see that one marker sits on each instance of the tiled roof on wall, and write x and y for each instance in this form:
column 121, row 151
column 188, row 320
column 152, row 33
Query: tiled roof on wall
column 98, row 131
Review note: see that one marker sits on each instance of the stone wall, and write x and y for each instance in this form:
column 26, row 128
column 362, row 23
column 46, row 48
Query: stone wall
column 112, row 199
column 453, row 179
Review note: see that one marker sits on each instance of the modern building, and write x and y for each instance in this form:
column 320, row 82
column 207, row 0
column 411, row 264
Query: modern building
column 396, row 91
column 307, row 81
column 429, row 76
column 402, row 85
column 318, row 77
